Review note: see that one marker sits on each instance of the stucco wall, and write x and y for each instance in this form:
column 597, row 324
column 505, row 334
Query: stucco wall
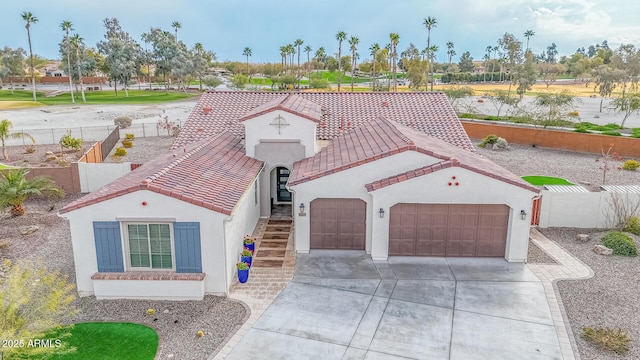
column 130, row 206
column 350, row 184
column 93, row 176
column 243, row 221
column 473, row 189
column 581, row 210
column 260, row 128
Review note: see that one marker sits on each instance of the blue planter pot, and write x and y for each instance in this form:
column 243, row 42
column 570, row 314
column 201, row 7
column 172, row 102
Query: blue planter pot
column 251, row 246
column 246, row 259
column 243, row 276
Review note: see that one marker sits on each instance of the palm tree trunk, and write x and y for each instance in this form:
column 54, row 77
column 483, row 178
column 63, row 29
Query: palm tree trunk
column 33, row 74
column 73, row 100
column 80, row 76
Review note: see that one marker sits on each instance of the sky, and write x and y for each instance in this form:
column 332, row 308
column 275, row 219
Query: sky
column 264, row 25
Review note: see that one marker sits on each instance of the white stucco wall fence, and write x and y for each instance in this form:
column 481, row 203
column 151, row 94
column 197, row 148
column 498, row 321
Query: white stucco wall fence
column 581, row 210
column 95, row 176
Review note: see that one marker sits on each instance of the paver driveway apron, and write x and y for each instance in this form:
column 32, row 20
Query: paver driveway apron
column 343, row 305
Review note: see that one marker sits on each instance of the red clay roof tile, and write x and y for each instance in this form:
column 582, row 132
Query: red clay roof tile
column 205, row 174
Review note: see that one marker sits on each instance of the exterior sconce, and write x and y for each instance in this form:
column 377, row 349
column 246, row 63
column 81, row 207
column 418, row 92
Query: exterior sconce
column 301, row 207
column 523, row 215
column 381, row 212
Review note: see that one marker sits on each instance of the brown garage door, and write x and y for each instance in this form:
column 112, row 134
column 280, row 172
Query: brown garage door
column 448, row 230
column 338, row 224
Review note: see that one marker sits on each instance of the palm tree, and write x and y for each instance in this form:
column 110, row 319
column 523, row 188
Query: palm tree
column 353, row 42
column 450, row 52
column 291, row 51
column 528, row 34
column 487, row 57
column 30, row 19
column 374, row 53
column 493, row 65
column 66, row 26
column 5, row 133
column 15, row 189
column 176, row 25
column 283, row 55
column 76, row 41
column 199, row 50
column 430, row 23
column 247, row 52
column 308, row 50
column 340, row 36
column 298, row 43
column 394, row 38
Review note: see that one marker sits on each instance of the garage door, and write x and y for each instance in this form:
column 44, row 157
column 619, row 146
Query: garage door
column 448, row 230
column 338, row 224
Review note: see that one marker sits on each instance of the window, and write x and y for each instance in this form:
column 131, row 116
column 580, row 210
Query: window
column 149, row 246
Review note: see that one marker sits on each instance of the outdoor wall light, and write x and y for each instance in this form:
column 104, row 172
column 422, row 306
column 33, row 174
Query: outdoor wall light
column 302, row 207
column 523, row 215
column 381, row 212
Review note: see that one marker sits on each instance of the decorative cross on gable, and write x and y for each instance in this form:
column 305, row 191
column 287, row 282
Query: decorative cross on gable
column 280, row 122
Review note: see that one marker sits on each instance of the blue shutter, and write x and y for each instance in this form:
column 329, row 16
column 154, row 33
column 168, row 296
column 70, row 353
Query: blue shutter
column 108, row 246
column 186, row 238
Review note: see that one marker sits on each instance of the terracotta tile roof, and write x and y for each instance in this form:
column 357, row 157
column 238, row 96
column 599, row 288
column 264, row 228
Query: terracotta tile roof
column 212, row 174
column 427, row 112
column 291, row 103
column 382, row 138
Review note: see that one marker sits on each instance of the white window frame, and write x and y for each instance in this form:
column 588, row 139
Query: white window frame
column 125, row 245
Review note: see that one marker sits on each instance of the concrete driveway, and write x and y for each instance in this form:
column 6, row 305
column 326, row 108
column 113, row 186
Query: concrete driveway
column 343, row 305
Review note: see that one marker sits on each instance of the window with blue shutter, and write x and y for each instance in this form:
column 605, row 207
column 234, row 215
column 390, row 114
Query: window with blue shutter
column 108, row 246
column 188, row 254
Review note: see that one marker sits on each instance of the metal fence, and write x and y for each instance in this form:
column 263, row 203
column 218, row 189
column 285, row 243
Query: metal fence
column 87, row 133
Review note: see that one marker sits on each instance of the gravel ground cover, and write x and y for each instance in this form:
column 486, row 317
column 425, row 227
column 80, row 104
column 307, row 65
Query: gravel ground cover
column 538, row 256
column 609, row 299
column 578, row 168
column 144, row 149
column 176, row 322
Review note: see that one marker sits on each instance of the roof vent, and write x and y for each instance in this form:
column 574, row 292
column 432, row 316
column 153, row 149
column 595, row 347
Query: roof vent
column 200, row 130
column 323, row 124
column 341, row 123
column 206, row 110
column 385, row 103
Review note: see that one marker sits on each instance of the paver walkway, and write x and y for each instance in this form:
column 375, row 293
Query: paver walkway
column 265, row 284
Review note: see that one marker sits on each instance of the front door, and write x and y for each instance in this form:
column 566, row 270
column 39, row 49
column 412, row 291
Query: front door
column 282, row 175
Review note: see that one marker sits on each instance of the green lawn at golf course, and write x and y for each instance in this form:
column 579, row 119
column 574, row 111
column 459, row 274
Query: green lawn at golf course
column 96, row 97
column 105, row 340
column 545, row 180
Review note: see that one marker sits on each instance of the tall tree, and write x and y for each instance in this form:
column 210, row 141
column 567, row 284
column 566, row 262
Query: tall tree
column 298, row 43
column 66, row 26
column 528, row 34
column 247, row 52
column 466, row 62
column 493, row 65
column 308, row 50
column 340, row 36
column 374, row 54
column 30, row 19
column 450, row 51
column 353, row 43
column 147, row 58
column 76, row 42
column 5, row 133
column 394, row 39
column 430, row 23
column 487, row 57
column 283, row 56
column 12, row 63
column 122, row 53
column 176, row 25
column 513, row 50
column 201, row 60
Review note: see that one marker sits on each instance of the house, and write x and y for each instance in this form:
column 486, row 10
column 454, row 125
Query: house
column 385, row 173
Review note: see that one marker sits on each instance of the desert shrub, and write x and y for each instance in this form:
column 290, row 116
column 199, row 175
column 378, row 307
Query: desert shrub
column 120, row 152
column 319, row 84
column 490, row 139
column 633, row 225
column 68, row 141
column 129, row 136
column 614, row 340
column 635, row 133
column 123, row 122
column 573, row 113
column 127, row 143
column 30, row 149
column 620, row 243
column 630, row 165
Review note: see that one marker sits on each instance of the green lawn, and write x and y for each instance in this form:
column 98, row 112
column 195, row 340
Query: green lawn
column 106, row 340
column 97, row 97
column 545, row 180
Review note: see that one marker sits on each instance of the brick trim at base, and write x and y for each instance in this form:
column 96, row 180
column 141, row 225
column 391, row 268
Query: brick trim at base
column 148, row 275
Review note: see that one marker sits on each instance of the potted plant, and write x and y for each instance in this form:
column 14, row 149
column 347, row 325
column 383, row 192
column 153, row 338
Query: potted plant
column 243, row 272
column 249, row 243
column 246, row 256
